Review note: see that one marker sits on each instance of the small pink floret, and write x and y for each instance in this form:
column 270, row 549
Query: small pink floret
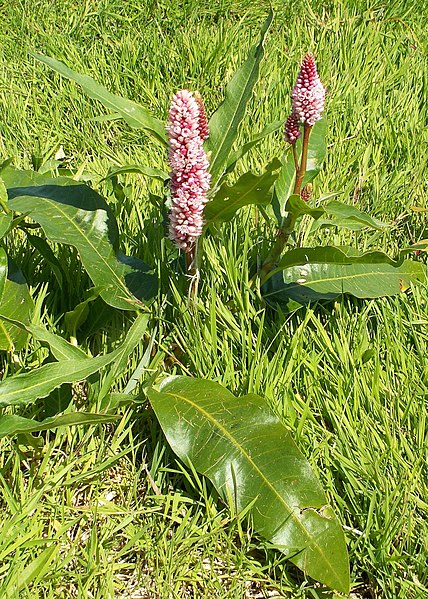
column 190, row 181
column 308, row 95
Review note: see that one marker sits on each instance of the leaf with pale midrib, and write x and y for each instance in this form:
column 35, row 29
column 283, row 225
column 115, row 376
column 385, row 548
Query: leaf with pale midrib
column 240, row 445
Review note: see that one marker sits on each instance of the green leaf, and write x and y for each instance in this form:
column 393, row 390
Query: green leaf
column 16, row 304
column 5, row 221
column 240, row 445
column 224, row 123
column 76, row 317
column 135, row 115
column 366, row 276
column 153, row 173
column 12, row 425
column 248, row 189
column 76, row 215
column 22, row 389
column 316, row 150
column 268, row 130
column 346, row 216
column 299, row 207
column 33, row 572
column 284, row 185
column 3, row 272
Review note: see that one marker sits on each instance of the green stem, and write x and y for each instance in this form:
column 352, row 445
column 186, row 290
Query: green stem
column 288, row 225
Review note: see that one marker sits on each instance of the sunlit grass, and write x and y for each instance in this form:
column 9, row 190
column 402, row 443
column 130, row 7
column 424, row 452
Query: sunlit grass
column 108, row 512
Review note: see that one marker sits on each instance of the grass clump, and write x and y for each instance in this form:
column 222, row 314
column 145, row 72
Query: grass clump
column 108, row 511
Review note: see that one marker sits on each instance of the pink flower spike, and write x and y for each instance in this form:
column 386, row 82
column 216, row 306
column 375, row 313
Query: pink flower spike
column 190, row 180
column 203, row 121
column 308, row 95
column 291, row 130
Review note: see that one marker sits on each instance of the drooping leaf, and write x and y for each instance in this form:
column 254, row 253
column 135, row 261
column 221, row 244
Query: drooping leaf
column 248, row 189
column 75, row 215
column 22, row 389
column 225, row 121
column 249, row 456
column 60, row 347
column 284, row 185
column 16, row 304
column 238, row 154
column 364, row 278
column 153, row 173
column 12, row 425
column 136, row 116
column 347, row 216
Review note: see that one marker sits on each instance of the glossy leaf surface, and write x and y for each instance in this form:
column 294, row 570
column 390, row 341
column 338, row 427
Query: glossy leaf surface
column 326, row 273
column 136, row 116
column 74, row 214
column 240, row 445
column 225, row 121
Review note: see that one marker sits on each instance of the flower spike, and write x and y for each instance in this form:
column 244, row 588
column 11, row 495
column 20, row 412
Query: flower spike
column 190, row 180
column 291, row 130
column 308, row 95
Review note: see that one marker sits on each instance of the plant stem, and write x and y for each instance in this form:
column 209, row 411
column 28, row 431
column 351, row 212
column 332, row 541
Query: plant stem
column 288, row 225
column 304, row 160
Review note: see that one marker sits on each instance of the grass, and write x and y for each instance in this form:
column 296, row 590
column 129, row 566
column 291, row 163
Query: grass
column 109, row 512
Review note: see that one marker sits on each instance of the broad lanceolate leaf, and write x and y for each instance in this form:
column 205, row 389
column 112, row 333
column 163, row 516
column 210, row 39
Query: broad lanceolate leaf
column 248, row 189
column 311, row 274
column 25, row 388
column 75, row 215
column 249, row 456
column 16, row 304
column 135, row 115
column 284, row 186
column 347, row 217
column 12, row 425
column 225, row 121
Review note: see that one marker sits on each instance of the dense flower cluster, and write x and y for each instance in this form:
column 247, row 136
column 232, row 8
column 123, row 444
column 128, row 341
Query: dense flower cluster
column 190, row 181
column 308, row 94
column 291, row 130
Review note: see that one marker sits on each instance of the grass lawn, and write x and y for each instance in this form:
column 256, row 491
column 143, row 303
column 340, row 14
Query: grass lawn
column 108, row 511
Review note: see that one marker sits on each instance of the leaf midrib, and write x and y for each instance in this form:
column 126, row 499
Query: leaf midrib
column 82, row 234
column 248, row 458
